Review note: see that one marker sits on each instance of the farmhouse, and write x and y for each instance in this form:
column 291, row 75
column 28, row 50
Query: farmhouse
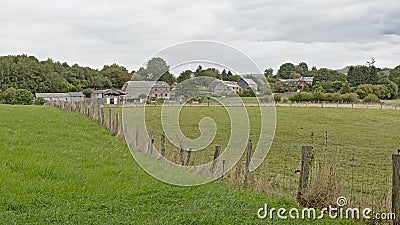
column 68, row 97
column 107, row 96
column 136, row 90
column 226, row 88
column 245, row 83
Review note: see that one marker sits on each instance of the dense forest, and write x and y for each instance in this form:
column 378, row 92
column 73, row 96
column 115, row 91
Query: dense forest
column 27, row 72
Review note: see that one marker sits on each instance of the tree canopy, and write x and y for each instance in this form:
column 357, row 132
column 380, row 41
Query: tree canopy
column 285, row 71
column 27, row 72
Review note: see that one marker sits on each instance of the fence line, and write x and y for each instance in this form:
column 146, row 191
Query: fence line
column 332, row 172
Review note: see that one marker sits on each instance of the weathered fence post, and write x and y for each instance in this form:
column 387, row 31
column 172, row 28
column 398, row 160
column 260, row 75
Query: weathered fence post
column 116, row 125
column 396, row 189
column 183, row 148
column 103, row 122
column 185, row 154
column 98, row 113
column 151, row 142
column 248, row 157
column 163, row 144
column 92, row 109
column 217, row 151
column 304, row 172
column 110, row 119
column 137, row 136
column 188, row 152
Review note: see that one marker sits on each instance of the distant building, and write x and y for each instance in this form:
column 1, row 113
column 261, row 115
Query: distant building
column 67, row 97
column 137, row 90
column 77, row 96
column 226, row 88
column 107, row 96
column 213, row 84
column 245, row 83
column 297, row 84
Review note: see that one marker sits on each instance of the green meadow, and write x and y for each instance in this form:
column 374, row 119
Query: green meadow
column 59, row 167
column 357, row 143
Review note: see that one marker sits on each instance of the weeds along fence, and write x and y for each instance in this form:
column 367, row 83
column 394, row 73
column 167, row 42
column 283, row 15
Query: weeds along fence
column 314, row 175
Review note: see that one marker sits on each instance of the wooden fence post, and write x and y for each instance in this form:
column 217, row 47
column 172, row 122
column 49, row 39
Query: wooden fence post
column 188, row 152
column 248, row 155
column 151, row 142
column 98, row 113
column 116, row 125
column 103, row 122
column 217, row 151
column 304, row 172
column 137, row 136
column 92, row 109
column 185, row 154
column 396, row 189
column 110, row 119
column 163, row 144
column 183, row 147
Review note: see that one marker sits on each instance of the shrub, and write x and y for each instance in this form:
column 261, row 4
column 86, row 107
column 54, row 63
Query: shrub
column 349, row 97
column 364, row 90
column 318, row 96
column 301, row 97
column 22, row 97
column 40, row 101
column 277, row 98
column 8, row 96
column 332, row 97
column 285, row 100
column 371, row 98
column 87, row 92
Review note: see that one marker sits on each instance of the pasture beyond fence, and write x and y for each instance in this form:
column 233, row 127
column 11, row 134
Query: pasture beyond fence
column 324, row 172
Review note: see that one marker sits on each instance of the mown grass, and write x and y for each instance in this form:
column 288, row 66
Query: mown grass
column 61, row 168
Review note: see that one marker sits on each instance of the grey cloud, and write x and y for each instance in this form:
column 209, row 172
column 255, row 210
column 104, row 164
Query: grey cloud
column 94, row 33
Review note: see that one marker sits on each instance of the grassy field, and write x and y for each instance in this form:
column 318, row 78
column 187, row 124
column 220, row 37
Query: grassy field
column 337, row 135
column 59, row 167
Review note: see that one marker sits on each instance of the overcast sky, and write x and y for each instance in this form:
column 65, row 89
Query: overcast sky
column 94, row 33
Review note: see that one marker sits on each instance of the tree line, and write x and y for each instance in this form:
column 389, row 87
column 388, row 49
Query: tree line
column 364, row 80
column 23, row 72
column 27, row 72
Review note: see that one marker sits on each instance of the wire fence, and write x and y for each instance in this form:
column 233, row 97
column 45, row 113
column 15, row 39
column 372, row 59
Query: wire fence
column 364, row 179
